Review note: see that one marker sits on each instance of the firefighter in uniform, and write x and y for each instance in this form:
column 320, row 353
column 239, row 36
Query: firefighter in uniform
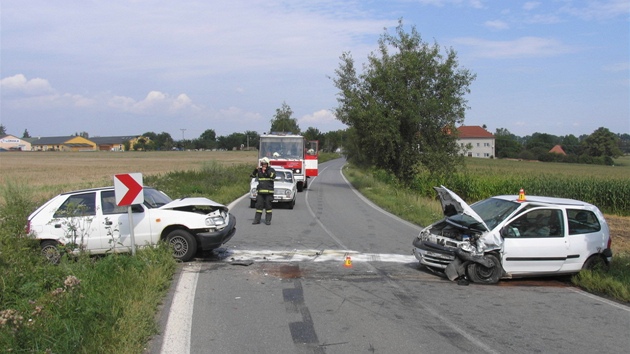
column 265, row 175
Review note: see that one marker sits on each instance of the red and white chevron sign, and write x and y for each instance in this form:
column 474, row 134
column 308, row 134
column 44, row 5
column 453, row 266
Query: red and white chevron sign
column 128, row 189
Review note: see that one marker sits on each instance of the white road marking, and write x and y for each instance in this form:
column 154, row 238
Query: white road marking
column 179, row 323
column 313, row 256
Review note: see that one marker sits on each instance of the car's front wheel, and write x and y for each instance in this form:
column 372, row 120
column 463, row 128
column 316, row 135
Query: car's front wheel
column 50, row 251
column 183, row 244
column 479, row 273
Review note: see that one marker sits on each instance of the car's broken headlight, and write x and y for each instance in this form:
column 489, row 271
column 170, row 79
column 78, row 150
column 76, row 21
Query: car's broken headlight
column 215, row 221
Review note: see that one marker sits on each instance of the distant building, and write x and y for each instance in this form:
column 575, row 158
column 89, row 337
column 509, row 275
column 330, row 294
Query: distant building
column 557, row 150
column 63, row 143
column 13, row 143
column 115, row 143
column 475, row 141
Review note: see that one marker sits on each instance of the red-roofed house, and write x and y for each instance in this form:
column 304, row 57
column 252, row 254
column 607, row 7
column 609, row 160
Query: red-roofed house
column 558, row 150
column 475, row 141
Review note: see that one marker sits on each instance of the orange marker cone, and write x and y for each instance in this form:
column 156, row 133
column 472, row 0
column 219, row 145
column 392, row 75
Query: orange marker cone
column 348, row 262
column 521, row 195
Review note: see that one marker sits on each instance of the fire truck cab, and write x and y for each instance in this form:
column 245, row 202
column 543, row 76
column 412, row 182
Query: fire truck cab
column 292, row 152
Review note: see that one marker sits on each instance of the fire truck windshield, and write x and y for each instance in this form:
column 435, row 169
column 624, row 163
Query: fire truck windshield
column 283, row 147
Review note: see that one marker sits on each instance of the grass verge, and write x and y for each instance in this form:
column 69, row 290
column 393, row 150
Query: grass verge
column 88, row 304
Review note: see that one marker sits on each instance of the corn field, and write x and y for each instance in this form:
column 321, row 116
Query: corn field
column 610, row 192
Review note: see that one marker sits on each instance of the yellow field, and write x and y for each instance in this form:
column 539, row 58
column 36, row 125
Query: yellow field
column 50, row 173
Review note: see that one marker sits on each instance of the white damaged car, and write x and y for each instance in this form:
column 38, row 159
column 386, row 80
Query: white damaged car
column 512, row 236
column 284, row 188
column 90, row 220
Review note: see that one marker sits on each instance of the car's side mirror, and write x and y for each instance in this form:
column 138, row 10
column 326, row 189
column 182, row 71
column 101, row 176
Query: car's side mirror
column 137, row 208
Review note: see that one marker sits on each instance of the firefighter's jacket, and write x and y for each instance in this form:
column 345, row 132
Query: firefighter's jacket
column 265, row 180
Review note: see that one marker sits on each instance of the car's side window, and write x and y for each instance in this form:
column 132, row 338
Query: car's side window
column 536, row 224
column 77, row 205
column 582, row 222
column 108, row 203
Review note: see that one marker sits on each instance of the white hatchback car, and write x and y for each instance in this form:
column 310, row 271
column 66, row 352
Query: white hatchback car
column 90, row 220
column 284, row 188
column 510, row 236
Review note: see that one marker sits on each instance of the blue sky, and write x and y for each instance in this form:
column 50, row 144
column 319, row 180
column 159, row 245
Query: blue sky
column 127, row 67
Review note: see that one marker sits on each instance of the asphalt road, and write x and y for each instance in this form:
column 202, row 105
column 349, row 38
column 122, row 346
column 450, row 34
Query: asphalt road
column 290, row 288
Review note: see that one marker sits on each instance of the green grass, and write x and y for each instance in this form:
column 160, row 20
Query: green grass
column 88, row 304
column 411, row 205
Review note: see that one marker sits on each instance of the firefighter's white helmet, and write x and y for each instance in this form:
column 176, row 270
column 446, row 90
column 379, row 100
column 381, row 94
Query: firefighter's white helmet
column 275, row 154
column 264, row 160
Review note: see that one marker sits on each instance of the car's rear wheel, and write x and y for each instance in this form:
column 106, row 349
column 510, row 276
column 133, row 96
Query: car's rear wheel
column 50, row 251
column 183, row 244
column 479, row 273
column 595, row 262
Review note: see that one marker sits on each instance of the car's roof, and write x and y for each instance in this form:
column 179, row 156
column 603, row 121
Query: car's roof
column 544, row 200
column 96, row 189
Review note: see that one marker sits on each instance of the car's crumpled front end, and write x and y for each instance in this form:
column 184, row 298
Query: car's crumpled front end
column 440, row 244
column 460, row 238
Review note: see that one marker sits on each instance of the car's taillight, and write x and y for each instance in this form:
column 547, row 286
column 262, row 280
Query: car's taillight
column 27, row 228
column 609, row 246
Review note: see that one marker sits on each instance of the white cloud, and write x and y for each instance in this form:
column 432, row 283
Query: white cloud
column 497, row 24
column 524, row 47
column 623, row 66
column 598, row 10
column 530, row 5
column 322, row 116
column 19, row 84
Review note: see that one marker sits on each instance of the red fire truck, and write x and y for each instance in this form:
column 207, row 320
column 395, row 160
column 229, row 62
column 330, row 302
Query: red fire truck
column 292, row 152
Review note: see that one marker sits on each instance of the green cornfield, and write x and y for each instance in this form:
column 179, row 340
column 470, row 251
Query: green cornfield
column 607, row 187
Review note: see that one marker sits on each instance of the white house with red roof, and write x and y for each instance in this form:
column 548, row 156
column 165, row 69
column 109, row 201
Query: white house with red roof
column 475, row 141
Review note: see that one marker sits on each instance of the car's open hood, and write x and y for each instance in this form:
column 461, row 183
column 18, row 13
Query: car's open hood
column 450, row 200
column 194, row 201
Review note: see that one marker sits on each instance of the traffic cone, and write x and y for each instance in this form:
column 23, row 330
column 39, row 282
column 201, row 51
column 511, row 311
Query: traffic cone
column 348, row 262
column 521, row 195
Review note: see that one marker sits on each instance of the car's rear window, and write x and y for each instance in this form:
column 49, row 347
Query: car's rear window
column 77, row 205
column 582, row 222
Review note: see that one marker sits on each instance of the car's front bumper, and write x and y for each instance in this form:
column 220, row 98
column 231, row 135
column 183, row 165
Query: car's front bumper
column 210, row 240
column 433, row 255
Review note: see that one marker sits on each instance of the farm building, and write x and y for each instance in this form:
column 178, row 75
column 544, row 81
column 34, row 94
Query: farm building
column 557, row 150
column 13, row 143
column 115, row 143
column 475, row 141
column 63, row 143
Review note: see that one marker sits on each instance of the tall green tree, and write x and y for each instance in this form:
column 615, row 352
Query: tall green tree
column 26, row 134
column 506, row 144
column 403, row 108
column 282, row 122
column 3, row 130
column 602, row 142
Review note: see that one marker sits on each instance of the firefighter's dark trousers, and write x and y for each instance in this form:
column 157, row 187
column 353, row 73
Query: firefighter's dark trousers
column 263, row 201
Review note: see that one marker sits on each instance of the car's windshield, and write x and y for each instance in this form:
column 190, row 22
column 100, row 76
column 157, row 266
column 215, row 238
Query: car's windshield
column 493, row 210
column 154, row 198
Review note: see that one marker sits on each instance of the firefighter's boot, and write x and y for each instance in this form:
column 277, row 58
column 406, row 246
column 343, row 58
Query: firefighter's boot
column 257, row 218
column 268, row 218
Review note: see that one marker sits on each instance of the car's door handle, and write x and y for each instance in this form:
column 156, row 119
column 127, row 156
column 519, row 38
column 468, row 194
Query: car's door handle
column 108, row 223
column 57, row 226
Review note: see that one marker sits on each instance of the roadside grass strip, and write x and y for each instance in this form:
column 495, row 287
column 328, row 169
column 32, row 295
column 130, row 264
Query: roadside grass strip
column 295, row 255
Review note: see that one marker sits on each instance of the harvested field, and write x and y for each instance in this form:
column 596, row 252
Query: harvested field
column 50, row 173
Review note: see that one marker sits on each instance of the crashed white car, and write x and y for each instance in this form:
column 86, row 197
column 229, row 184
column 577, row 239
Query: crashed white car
column 507, row 237
column 284, row 188
column 90, row 220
